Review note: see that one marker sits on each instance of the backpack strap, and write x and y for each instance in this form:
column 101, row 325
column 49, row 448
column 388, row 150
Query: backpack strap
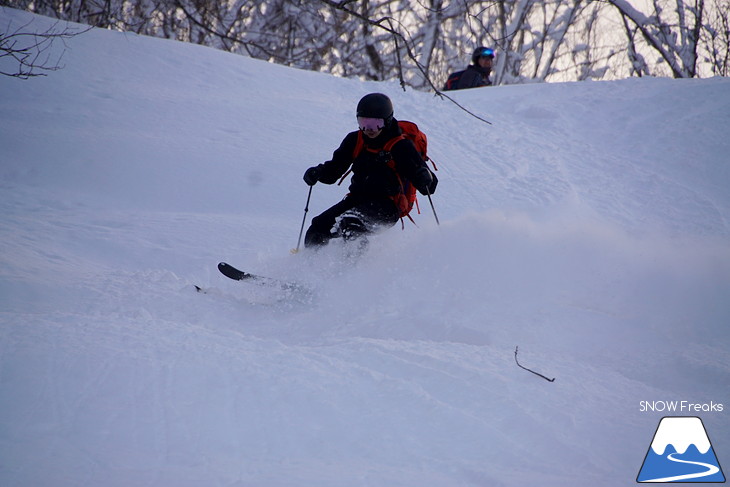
column 360, row 145
column 389, row 145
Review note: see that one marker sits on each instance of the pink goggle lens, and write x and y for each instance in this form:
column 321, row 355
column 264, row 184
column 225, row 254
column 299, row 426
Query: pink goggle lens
column 366, row 123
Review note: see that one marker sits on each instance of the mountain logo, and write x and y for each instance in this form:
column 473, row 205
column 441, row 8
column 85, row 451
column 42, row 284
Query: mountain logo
column 680, row 452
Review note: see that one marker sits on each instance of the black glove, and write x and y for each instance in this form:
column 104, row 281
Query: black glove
column 311, row 175
column 434, row 183
column 425, row 181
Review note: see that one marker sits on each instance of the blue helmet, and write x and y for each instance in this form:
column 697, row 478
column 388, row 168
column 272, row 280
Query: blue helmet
column 482, row 51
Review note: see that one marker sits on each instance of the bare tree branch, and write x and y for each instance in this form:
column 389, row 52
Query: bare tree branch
column 31, row 54
column 421, row 41
column 381, row 23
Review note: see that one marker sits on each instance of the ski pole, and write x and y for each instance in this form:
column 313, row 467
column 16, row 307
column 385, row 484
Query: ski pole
column 301, row 230
column 428, row 193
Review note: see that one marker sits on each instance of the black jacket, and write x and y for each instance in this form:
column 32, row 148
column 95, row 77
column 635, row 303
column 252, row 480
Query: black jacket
column 474, row 77
column 371, row 176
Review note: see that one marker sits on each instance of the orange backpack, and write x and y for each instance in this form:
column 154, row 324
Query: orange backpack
column 405, row 199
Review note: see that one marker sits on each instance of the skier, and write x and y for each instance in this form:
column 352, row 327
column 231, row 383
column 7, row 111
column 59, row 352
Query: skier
column 476, row 74
column 369, row 205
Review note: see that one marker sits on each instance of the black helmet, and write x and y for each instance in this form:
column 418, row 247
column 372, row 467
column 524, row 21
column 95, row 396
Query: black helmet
column 482, row 51
column 376, row 105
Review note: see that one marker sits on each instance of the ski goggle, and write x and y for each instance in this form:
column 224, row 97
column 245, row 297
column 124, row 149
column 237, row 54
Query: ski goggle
column 487, row 52
column 366, row 123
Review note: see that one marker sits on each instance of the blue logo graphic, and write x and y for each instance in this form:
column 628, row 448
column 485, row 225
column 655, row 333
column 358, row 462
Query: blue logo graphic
column 680, row 452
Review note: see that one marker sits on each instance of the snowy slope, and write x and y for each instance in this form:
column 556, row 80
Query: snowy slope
column 589, row 224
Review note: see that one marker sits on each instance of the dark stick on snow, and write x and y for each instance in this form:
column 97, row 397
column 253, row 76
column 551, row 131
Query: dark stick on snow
column 530, row 370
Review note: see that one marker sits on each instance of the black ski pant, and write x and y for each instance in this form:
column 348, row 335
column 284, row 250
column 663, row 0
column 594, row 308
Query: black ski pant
column 357, row 217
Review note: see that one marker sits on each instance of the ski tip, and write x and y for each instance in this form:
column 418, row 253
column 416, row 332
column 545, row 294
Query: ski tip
column 226, row 269
column 233, row 273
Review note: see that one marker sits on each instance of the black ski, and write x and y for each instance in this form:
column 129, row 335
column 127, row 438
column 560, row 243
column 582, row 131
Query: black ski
column 238, row 275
